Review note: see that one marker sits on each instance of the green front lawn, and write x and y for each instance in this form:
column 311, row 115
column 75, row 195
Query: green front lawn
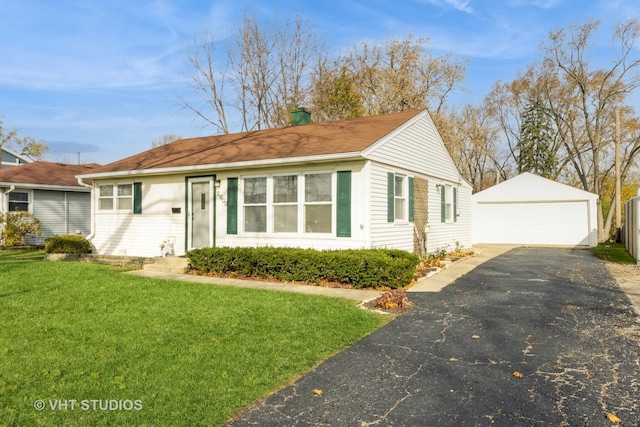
column 159, row 352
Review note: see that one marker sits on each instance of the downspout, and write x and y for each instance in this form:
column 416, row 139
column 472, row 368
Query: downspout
column 4, row 196
column 92, row 234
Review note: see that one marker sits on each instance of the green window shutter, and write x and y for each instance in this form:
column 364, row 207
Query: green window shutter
column 390, row 197
column 137, row 197
column 411, row 200
column 443, row 214
column 343, row 205
column 455, row 204
column 232, row 205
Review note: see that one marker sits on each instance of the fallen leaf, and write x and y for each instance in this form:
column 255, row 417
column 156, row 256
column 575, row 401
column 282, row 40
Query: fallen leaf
column 317, row 391
column 475, row 337
column 614, row 419
column 517, row 374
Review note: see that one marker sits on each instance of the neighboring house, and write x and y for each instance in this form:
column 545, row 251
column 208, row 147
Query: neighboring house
column 51, row 193
column 11, row 158
column 376, row 182
column 532, row 210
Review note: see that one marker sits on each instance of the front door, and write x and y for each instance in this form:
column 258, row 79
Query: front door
column 201, row 212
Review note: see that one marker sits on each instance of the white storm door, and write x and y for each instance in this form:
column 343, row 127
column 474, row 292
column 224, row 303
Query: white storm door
column 201, row 212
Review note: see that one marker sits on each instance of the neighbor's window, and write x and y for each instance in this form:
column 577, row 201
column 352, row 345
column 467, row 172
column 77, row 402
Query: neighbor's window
column 317, row 203
column 18, row 201
column 255, row 204
column 118, row 196
column 400, row 197
column 285, row 203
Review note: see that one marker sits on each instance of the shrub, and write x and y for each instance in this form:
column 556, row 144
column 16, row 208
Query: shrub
column 67, row 244
column 16, row 227
column 360, row 268
column 391, row 300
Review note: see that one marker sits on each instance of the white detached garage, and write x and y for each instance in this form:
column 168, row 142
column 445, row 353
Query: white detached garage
column 532, row 210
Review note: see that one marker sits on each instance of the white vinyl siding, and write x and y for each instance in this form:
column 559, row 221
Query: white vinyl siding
column 449, row 234
column 417, row 149
column 162, row 216
column 62, row 212
column 79, row 213
column 384, row 234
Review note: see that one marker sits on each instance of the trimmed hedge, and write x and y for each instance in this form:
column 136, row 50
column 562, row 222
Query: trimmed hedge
column 360, row 268
column 67, row 244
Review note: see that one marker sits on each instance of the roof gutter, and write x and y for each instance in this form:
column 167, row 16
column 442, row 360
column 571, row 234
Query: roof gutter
column 92, row 233
column 44, row 186
column 228, row 165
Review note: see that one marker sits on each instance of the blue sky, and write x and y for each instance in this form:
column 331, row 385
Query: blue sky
column 103, row 77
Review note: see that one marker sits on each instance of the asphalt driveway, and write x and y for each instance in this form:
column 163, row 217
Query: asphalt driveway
column 555, row 316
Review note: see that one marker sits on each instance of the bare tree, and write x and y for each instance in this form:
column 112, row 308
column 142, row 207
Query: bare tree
column 165, row 139
column 207, row 82
column 581, row 99
column 471, row 137
column 263, row 75
column 27, row 146
column 297, row 49
column 586, row 111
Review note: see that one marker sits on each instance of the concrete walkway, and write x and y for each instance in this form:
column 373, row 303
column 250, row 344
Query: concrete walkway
column 428, row 284
column 483, row 253
column 352, row 294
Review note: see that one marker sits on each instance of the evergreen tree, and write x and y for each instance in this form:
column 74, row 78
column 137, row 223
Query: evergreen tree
column 535, row 149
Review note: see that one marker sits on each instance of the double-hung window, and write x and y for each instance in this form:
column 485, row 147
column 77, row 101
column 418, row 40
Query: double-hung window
column 255, row 204
column 124, row 198
column 119, row 197
column 285, row 204
column 18, row 201
column 317, row 203
column 399, row 198
column 105, row 196
column 448, row 203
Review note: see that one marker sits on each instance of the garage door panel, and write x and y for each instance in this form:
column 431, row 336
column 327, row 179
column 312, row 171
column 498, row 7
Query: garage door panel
column 559, row 223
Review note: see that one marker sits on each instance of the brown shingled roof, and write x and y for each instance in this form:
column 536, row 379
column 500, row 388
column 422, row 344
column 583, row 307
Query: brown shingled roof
column 344, row 136
column 45, row 173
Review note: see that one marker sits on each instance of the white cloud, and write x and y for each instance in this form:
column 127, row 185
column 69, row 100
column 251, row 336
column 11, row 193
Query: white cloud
column 460, row 5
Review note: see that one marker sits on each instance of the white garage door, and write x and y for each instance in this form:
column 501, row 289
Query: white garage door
column 541, row 223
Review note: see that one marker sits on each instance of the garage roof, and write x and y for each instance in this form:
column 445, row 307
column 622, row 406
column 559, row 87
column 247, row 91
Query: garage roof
column 528, row 187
